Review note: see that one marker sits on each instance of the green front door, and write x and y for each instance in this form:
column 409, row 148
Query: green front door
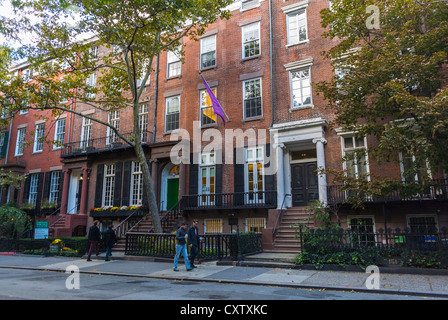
column 172, row 196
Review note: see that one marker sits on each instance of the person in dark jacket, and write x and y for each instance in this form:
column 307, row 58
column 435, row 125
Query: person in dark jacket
column 94, row 237
column 181, row 247
column 110, row 240
column 193, row 241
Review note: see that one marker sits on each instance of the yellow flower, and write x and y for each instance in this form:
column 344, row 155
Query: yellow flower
column 57, row 241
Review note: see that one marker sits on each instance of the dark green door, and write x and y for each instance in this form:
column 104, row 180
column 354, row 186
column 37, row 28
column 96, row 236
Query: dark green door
column 173, row 193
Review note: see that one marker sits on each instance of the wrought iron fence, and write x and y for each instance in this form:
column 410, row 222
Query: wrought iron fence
column 213, row 246
column 234, row 200
column 333, row 240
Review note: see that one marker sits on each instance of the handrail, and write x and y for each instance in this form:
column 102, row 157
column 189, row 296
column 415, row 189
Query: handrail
column 170, row 211
column 280, row 213
column 125, row 220
column 76, row 205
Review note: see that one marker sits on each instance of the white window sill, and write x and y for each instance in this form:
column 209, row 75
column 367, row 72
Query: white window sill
column 308, row 106
column 296, row 44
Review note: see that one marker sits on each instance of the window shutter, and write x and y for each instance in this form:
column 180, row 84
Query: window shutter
column 26, row 189
column 47, row 185
column 126, row 183
column 61, row 186
column 218, row 185
column 118, row 183
column 40, row 183
column 238, row 180
column 145, row 200
column 99, row 185
column 4, row 148
column 269, row 181
column 193, row 183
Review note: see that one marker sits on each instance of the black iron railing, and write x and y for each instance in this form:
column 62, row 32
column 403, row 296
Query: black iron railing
column 235, row 200
column 335, row 240
column 212, row 246
column 107, row 143
column 437, row 189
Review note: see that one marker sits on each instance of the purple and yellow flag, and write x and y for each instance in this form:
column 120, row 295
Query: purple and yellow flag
column 215, row 103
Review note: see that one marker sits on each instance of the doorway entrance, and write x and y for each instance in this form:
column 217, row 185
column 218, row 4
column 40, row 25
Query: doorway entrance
column 304, row 184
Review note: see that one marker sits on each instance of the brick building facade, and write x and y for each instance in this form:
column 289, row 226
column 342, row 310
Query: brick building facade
column 261, row 63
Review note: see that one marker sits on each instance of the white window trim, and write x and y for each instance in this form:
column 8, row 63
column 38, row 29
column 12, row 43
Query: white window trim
column 112, row 187
column 295, row 9
column 244, row 98
column 257, row 5
column 344, row 163
column 169, row 62
column 56, row 147
column 138, row 187
column 215, row 92
column 20, row 140
column 167, row 99
column 403, row 179
column 255, row 160
column 202, row 52
column 37, row 143
column 310, row 105
column 242, row 39
column 422, row 215
column 349, row 218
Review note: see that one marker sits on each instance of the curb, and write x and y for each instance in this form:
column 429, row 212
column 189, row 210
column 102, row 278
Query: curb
column 242, row 282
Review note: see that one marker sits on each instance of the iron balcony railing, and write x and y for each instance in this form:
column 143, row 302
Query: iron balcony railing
column 106, row 143
column 437, row 189
column 235, row 200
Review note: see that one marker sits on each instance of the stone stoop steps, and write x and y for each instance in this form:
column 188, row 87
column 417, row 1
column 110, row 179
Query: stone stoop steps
column 142, row 227
column 286, row 240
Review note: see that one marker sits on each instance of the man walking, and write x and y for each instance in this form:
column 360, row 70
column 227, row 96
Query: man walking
column 110, row 240
column 94, row 238
column 181, row 247
column 193, row 241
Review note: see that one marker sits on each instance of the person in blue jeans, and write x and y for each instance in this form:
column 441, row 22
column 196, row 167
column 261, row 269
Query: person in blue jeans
column 181, row 247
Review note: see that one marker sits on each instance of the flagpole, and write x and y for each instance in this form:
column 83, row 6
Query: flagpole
column 200, row 73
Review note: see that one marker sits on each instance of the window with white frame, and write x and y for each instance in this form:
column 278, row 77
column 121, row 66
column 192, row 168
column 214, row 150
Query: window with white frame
column 301, row 88
column 113, row 118
column 251, row 40
column 412, row 169
column 136, row 184
column 20, row 141
column 207, row 178
column 32, row 195
column 143, row 121
column 173, row 63
column 38, row 137
column 249, row 4
column 208, row 115
column 90, row 86
column 86, row 132
column 94, row 53
column 297, row 26
column 212, row 226
column 255, row 224
column 254, row 185
column 362, row 230
column 27, row 74
column 208, row 52
column 355, row 154
column 55, row 182
column 172, row 113
column 252, row 98
column 108, row 185
column 59, row 134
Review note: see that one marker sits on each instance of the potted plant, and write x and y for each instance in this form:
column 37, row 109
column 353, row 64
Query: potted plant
column 48, row 207
column 28, row 207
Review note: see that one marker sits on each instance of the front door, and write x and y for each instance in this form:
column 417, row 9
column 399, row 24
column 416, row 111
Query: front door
column 304, row 184
column 172, row 192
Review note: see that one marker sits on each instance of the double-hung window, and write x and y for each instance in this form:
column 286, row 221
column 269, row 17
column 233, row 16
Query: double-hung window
column 136, row 184
column 38, row 137
column 55, row 181
column 143, row 122
column 251, row 40
column 249, row 4
column 113, row 118
column 208, row 52
column 90, row 86
column 301, row 88
column 59, row 134
column 252, row 98
column 207, row 179
column 32, row 195
column 20, row 141
column 296, row 26
column 172, row 113
column 254, row 175
column 208, row 115
column 86, row 133
column 173, row 64
column 355, row 153
column 109, row 184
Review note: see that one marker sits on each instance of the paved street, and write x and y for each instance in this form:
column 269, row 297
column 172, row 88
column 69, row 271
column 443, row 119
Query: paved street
column 45, row 278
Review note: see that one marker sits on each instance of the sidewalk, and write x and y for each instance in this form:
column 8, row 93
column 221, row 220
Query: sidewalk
column 261, row 274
